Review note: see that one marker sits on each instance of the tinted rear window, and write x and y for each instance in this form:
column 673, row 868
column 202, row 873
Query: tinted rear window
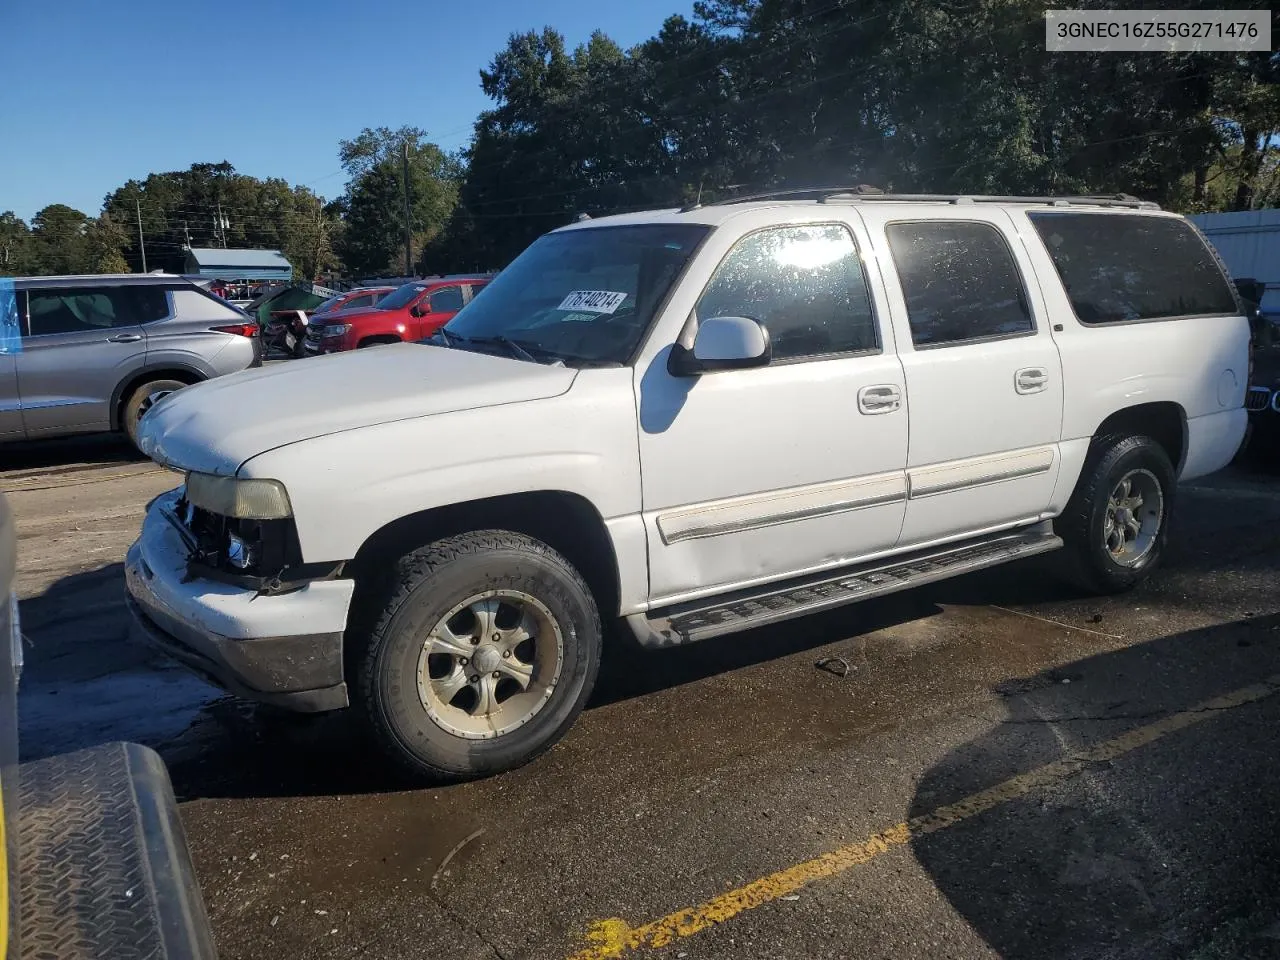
column 960, row 281
column 1118, row 267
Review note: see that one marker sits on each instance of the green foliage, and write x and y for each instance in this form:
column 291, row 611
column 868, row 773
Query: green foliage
column 374, row 207
column 190, row 206
column 908, row 95
column 17, row 249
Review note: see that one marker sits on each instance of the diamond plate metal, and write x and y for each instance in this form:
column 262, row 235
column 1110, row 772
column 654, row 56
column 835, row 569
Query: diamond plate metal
column 104, row 870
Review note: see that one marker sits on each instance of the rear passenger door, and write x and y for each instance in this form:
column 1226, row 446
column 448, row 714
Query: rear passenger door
column 80, row 343
column 984, row 379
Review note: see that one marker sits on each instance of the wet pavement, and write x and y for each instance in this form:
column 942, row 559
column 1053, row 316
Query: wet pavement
column 731, row 799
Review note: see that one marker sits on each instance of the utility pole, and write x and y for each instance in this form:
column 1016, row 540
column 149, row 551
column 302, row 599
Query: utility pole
column 408, row 226
column 142, row 241
column 223, row 223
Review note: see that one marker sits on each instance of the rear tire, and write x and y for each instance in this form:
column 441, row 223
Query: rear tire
column 1116, row 524
column 448, row 688
column 143, row 398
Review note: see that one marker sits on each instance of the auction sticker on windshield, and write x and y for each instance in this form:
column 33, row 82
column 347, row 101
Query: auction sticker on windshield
column 597, row 301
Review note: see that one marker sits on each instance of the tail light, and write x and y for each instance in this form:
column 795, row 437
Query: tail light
column 239, row 329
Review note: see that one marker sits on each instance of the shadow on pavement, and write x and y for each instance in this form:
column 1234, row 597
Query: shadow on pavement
column 1170, row 850
column 97, row 448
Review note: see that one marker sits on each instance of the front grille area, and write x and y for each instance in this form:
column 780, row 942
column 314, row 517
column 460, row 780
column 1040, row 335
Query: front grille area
column 1258, row 398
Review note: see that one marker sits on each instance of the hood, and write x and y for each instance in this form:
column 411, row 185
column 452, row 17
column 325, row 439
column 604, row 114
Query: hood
column 350, row 313
column 216, row 426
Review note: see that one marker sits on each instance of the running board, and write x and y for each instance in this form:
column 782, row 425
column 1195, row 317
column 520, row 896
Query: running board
column 745, row 609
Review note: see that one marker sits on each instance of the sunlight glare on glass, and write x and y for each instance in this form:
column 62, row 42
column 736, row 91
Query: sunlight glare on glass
column 810, row 253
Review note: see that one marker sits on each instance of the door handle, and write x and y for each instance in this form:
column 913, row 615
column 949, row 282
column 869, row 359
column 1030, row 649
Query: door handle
column 1030, row 380
column 881, row 398
column 125, row 338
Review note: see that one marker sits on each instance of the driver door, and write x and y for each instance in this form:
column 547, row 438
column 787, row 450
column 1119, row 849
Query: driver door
column 753, row 475
column 436, row 309
column 10, row 343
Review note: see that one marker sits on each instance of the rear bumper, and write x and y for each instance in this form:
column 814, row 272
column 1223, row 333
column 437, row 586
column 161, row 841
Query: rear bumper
column 103, row 868
column 284, row 650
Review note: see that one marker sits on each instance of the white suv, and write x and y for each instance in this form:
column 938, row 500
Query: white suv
column 694, row 421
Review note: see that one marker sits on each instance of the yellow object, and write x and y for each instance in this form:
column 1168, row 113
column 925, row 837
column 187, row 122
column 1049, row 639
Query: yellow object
column 608, row 939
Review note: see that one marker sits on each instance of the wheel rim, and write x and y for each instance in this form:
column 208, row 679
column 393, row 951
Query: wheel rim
column 150, row 400
column 1131, row 523
column 490, row 664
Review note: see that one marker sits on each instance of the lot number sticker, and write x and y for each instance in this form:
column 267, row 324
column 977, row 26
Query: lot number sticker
column 597, row 301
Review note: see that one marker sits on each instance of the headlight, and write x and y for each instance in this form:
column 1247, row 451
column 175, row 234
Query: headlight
column 335, row 329
column 237, row 497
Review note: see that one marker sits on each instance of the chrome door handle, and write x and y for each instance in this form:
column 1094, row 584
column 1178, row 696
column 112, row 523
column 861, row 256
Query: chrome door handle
column 1030, row 380
column 881, row 398
column 125, row 338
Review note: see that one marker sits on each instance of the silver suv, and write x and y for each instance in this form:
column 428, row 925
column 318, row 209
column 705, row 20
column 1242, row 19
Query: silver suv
column 90, row 354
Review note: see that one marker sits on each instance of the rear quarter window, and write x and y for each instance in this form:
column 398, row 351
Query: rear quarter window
column 1118, row 268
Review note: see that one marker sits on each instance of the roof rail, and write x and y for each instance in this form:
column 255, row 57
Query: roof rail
column 866, row 194
column 798, row 193
column 1091, row 200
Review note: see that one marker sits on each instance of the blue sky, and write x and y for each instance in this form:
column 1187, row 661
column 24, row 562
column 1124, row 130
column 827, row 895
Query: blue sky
column 98, row 92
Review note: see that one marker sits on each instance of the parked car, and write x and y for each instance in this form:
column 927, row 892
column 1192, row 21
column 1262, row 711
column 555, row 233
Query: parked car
column 412, row 312
column 286, row 329
column 95, row 353
column 93, row 858
column 695, row 423
column 1263, row 400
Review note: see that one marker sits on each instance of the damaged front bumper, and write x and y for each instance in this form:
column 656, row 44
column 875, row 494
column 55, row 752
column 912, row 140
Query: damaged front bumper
column 283, row 649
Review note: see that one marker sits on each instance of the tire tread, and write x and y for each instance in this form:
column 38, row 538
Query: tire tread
column 410, row 571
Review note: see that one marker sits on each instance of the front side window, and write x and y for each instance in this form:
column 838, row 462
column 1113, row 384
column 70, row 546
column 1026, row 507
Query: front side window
column 959, row 280
column 804, row 283
column 1123, row 266
column 584, row 295
column 81, row 309
column 446, row 300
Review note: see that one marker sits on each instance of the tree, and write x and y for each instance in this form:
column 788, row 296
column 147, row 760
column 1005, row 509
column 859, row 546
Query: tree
column 372, row 240
column 17, row 254
column 59, row 235
column 104, row 243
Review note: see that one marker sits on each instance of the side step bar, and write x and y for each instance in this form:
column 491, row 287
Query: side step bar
column 746, row 609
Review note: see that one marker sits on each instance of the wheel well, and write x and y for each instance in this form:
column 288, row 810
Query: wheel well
column 564, row 521
column 1164, row 422
column 379, row 338
column 125, row 390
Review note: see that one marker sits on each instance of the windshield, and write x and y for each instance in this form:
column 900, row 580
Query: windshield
column 584, row 294
column 402, row 297
column 328, row 304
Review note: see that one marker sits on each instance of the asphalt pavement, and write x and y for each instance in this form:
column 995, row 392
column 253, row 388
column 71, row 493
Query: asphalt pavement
column 991, row 766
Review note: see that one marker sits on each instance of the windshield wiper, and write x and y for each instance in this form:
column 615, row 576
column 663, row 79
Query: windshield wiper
column 449, row 338
column 512, row 347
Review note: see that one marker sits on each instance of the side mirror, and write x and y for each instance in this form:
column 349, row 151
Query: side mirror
column 723, row 343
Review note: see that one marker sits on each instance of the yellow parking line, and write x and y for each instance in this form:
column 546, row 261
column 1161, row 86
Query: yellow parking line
column 614, row 937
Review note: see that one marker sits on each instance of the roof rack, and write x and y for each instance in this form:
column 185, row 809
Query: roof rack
column 865, row 194
column 801, row 193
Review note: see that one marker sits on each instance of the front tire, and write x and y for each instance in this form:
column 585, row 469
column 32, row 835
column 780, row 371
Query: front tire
column 143, row 398
column 1117, row 522
column 481, row 658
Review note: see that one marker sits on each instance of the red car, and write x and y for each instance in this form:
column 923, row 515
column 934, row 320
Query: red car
column 413, row 312
column 351, row 300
